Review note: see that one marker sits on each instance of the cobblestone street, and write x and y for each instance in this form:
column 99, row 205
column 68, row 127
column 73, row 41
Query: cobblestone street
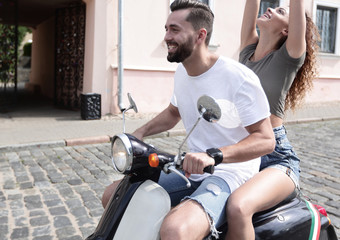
column 54, row 192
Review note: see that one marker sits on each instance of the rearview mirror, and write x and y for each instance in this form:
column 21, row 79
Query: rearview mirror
column 209, row 108
column 132, row 104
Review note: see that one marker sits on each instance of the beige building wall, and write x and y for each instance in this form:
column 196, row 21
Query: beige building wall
column 42, row 64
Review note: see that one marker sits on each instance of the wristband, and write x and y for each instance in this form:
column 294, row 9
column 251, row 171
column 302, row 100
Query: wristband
column 216, row 154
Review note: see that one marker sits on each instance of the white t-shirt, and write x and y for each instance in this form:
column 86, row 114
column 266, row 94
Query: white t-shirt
column 243, row 102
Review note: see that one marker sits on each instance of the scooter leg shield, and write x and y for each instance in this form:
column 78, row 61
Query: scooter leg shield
column 145, row 213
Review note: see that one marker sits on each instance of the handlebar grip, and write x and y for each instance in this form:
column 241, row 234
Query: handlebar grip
column 209, row 169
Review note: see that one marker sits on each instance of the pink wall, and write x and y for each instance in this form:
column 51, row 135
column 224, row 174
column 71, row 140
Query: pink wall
column 152, row 90
column 324, row 90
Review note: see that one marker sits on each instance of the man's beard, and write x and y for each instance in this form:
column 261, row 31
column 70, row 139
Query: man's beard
column 183, row 51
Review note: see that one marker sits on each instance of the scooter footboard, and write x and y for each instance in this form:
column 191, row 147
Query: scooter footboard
column 145, row 213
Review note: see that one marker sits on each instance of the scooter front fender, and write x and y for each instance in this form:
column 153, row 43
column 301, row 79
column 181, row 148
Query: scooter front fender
column 145, row 213
column 135, row 211
column 114, row 210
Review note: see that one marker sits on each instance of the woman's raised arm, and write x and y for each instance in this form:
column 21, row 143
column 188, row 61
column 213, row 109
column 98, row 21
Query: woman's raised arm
column 296, row 40
column 248, row 30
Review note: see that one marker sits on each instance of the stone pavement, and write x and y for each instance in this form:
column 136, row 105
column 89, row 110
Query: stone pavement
column 53, row 192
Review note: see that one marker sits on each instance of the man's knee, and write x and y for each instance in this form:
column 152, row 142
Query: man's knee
column 186, row 221
column 173, row 230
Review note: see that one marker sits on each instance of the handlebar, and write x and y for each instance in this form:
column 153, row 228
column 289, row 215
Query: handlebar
column 209, row 169
column 169, row 163
column 179, row 161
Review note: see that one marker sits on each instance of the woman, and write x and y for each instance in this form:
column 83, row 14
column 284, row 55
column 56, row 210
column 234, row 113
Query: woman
column 284, row 59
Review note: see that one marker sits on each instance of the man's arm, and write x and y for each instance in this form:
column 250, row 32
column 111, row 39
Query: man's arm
column 166, row 120
column 260, row 142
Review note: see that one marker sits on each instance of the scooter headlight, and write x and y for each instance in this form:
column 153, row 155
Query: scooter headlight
column 121, row 152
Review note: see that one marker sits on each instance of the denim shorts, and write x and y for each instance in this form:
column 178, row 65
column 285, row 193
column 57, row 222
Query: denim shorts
column 283, row 158
column 211, row 193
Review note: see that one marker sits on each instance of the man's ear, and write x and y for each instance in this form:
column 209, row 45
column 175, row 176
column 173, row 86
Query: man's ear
column 202, row 34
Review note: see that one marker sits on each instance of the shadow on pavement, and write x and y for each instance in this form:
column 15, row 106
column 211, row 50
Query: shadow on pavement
column 27, row 105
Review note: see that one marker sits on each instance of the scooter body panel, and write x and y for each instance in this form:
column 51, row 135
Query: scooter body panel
column 145, row 213
column 292, row 219
column 295, row 220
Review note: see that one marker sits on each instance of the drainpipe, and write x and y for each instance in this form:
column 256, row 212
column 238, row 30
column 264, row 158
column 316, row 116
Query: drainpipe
column 120, row 55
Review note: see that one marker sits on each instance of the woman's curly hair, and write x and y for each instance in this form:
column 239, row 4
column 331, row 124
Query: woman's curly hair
column 303, row 81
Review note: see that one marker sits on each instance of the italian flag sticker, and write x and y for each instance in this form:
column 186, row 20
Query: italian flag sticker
column 315, row 227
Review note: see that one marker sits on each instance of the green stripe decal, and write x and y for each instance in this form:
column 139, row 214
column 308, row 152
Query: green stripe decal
column 315, row 226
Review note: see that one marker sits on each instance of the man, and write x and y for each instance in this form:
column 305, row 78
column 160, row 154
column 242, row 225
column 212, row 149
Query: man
column 234, row 146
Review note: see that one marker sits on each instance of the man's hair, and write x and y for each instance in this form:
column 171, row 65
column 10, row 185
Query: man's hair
column 200, row 15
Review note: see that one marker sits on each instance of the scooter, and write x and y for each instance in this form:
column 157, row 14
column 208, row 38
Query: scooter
column 139, row 205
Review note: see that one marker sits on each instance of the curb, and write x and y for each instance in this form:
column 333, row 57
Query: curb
column 81, row 141
column 307, row 120
column 87, row 140
column 106, row 138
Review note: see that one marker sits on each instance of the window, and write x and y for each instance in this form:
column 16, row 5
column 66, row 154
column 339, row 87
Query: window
column 326, row 22
column 205, row 1
column 326, row 17
column 265, row 4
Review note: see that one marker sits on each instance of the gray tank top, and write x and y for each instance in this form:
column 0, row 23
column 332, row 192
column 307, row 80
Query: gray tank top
column 276, row 72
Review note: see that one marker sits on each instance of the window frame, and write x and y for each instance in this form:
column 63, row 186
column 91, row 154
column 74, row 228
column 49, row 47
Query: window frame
column 337, row 35
column 281, row 3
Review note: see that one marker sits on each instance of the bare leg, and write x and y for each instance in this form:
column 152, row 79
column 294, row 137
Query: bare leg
column 109, row 190
column 186, row 221
column 266, row 189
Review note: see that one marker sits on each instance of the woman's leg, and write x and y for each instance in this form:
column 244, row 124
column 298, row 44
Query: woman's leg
column 266, row 189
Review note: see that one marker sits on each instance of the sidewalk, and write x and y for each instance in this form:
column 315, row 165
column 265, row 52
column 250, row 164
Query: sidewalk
column 43, row 124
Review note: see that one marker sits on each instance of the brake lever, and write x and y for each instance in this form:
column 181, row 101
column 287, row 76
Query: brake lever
column 173, row 169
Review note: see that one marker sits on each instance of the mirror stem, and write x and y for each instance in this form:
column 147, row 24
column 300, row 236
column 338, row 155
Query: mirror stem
column 124, row 118
column 180, row 147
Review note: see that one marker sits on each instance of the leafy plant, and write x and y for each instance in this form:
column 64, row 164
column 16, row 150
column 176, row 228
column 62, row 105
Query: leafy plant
column 7, row 50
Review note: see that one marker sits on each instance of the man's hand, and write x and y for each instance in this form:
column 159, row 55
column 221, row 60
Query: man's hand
column 194, row 163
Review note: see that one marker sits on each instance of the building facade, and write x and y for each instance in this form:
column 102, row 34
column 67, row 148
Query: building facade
column 114, row 47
